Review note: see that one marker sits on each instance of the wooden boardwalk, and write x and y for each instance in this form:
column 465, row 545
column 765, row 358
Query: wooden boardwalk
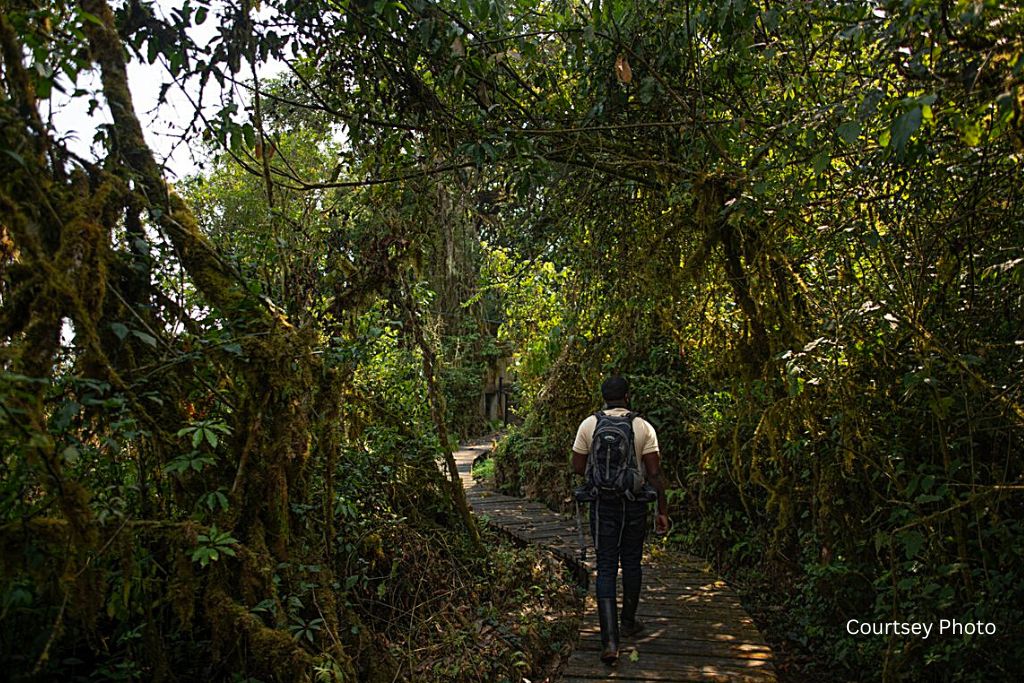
column 696, row 628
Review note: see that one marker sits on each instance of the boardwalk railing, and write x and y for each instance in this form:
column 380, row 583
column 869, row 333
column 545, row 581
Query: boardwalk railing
column 696, row 629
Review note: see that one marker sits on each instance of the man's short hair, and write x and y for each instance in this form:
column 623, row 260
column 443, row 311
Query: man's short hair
column 614, row 388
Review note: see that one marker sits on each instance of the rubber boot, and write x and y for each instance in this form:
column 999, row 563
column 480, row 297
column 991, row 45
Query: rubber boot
column 631, row 626
column 606, row 612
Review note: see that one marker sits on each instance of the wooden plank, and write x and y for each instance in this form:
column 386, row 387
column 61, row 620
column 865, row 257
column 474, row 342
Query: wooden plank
column 711, row 613
column 686, row 593
column 687, row 673
column 719, row 607
column 692, row 629
column 654, row 578
column 682, row 569
column 508, row 516
column 509, row 522
column 688, row 576
column 694, row 626
column 690, row 603
column 683, row 596
column 510, row 511
column 548, row 535
column 558, row 547
column 537, row 522
column 540, row 532
column 500, row 497
column 510, row 503
column 494, row 495
column 659, row 643
column 659, row 667
column 544, row 540
column 694, row 674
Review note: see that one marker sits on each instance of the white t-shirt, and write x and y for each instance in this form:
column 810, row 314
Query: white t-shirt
column 645, row 440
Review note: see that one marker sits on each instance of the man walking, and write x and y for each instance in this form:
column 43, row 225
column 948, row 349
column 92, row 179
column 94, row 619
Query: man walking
column 617, row 452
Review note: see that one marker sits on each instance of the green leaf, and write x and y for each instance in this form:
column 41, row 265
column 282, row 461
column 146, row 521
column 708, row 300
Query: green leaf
column 147, row 339
column 820, row 162
column 267, row 605
column 912, row 542
column 70, row 455
column 971, row 134
column 90, row 17
column 648, row 89
column 176, row 466
column 249, row 135
column 17, row 157
column 44, row 86
column 905, row 126
column 211, row 437
column 198, row 464
column 849, row 132
column 202, row 555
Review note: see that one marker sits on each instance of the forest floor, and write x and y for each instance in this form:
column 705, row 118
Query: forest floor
column 763, row 598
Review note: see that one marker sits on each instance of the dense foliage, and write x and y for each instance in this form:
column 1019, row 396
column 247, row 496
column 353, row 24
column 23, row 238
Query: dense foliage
column 795, row 225
column 223, row 411
column 805, row 253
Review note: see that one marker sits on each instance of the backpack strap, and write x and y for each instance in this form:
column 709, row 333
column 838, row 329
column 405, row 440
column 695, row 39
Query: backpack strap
column 632, row 440
column 590, row 460
column 630, row 414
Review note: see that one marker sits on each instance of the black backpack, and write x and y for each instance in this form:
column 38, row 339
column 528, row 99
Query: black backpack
column 612, row 470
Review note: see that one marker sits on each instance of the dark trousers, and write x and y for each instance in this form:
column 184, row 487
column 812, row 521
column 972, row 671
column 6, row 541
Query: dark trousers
column 618, row 527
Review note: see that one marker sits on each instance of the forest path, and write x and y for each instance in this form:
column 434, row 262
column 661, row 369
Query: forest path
column 696, row 628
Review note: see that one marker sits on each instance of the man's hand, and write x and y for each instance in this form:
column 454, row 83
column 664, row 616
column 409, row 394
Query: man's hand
column 661, row 523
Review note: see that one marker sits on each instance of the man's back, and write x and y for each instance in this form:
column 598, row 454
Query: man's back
column 645, row 439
